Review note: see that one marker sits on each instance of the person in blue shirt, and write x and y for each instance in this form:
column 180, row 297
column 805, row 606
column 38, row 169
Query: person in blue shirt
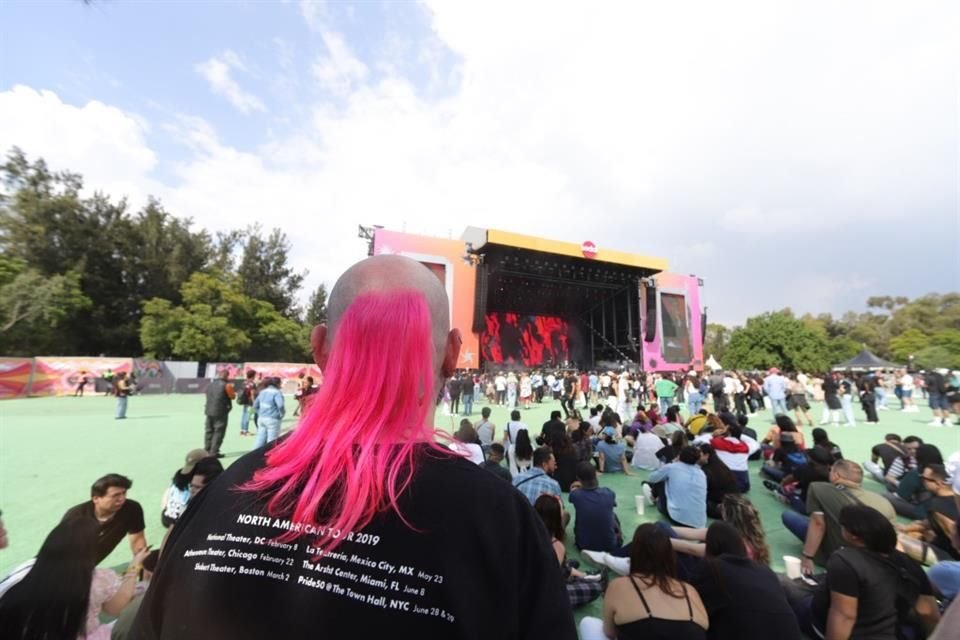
column 596, row 526
column 775, row 386
column 270, row 411
column 683, row 495
column 613, row 458
column 538, row 480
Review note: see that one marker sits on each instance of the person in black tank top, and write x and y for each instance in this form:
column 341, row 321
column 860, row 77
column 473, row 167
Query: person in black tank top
column 650, row 603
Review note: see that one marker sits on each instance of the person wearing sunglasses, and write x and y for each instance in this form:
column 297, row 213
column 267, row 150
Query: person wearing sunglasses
column 928, row 540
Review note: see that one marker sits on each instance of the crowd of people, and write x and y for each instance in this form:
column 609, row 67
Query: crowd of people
column 365, row 520
column 747, row 393
column 699, row 471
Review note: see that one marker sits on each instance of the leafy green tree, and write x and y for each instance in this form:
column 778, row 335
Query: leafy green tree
column 120, row 259
column 33, row 306
column 934, row 357
column 908, row 343
column 265, row 273
column 777, row 339
column 216, row 321
column 317, row 308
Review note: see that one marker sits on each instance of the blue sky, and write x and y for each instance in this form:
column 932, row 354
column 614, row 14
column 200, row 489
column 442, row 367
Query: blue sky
column 791, row 154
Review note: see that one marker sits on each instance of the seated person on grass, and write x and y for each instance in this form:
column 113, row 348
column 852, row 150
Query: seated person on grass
column 680, row 490
column 928, row 540
column 582, row 588
column 596, row 526
column 612, row 453
column 494, row 462
column 871, row 590
column 651, row 602
column 742, row 597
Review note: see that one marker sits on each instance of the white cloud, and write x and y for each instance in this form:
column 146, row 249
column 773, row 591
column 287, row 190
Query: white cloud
column 106, row 145
column 217, row 72
column 340, row 70
column 315, row 13
column 744, row 141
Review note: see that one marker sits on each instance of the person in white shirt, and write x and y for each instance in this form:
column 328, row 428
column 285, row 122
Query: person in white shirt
column 645, row 447
column 734, row 449
column 906, row 389
column 594, row 420
column 467, row 443
column 500, row 383
column 511, row 432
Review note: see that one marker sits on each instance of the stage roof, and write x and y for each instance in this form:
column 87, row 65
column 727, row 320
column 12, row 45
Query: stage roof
column 524, row 274
column 488, row 240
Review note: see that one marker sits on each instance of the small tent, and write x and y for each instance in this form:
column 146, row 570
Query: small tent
column 712, row 364
column 865, row 361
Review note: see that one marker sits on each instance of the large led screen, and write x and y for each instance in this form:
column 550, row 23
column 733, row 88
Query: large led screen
column 528, row 340
column 677, row 346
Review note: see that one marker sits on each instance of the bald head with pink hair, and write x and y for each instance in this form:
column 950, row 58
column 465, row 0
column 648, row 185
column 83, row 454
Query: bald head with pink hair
column 385, row 356
column 387, row 273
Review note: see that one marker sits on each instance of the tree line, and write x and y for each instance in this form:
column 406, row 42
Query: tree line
column 88, row 276
column 923, row 333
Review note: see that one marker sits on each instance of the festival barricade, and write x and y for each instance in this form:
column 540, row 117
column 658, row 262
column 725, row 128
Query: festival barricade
column 15, row 376
column 288, row 372
column 55, row 376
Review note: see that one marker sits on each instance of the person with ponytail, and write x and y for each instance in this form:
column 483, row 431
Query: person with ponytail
column 362, row 522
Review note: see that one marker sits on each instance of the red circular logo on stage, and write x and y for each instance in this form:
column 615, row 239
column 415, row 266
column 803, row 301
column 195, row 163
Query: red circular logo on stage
column 589, row 249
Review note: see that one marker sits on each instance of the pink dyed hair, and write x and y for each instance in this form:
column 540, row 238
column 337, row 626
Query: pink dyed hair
column 353, row 453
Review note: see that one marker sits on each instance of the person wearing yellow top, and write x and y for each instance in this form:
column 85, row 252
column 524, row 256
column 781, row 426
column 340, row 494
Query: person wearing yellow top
column 696, row 422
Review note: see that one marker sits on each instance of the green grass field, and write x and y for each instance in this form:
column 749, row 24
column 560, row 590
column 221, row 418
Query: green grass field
column 52, row 449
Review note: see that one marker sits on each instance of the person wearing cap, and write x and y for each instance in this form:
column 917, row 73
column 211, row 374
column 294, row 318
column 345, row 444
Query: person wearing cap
column 775, row 386
column 613, row 454
column 177, row 495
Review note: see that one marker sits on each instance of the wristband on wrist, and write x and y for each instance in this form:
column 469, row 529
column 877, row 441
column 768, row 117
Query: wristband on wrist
column 807, row 555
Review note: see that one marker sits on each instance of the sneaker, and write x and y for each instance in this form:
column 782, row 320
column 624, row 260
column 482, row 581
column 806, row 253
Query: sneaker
column 935, row 423
column 604, row 559
column 648, row 494
column 771, row 485
column 596, row 557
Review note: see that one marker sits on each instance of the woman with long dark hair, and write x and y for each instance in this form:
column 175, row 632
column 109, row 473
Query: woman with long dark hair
column 720, row 480
column 650, row 603
column 581, row 587
column 741, row 514
column 566, row 456
column 63, row 594
column 522, row 453
column 743, row 598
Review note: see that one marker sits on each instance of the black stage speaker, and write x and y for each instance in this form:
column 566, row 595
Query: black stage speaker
column 650, row 328
column 480, row 298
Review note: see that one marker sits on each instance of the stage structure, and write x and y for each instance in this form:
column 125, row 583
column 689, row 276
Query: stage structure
column 522, row 301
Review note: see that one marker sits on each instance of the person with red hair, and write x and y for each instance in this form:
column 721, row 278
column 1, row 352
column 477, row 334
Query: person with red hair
column 361, row 522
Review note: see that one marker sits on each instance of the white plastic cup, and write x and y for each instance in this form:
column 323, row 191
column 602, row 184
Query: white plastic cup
column 792, row 564
column 641, row 502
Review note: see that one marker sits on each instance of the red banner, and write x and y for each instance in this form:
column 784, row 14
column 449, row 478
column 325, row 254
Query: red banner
column 60, row 376
column 15, row 377
column 286, row 371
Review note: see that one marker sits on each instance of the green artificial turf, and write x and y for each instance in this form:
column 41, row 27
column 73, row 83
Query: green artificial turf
column 52, row 449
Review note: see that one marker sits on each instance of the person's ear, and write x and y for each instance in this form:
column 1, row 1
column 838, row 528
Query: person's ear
column 451, row 353
column 318, row 345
